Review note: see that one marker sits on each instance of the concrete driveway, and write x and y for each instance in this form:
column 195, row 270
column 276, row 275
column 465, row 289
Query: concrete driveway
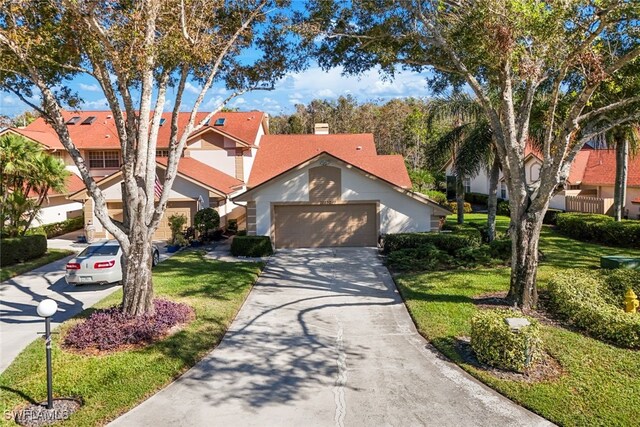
column 19, row 297
column 324, row 339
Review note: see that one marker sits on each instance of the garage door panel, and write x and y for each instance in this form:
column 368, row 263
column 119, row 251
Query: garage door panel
column 325, row 225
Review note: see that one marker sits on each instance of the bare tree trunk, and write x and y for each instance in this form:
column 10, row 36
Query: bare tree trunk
column 460, row 199
column 620, row 189
column 492, row 201
column 136, row 279
column 525, row 233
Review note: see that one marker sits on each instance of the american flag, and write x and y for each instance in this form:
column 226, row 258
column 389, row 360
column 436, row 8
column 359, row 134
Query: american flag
column 157, row 188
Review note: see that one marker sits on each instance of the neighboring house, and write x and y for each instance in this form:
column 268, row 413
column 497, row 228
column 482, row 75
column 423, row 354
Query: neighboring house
column 589, row 188
column 57, row 206
column 217, row 160
column 332, row 190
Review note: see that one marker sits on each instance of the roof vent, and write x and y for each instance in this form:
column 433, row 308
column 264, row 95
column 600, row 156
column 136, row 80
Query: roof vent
column 220, row 122
column 359, row 148
column 73, row 120
column 107, row 136
column 89, row 120
column 109, row 116
column 321, row 129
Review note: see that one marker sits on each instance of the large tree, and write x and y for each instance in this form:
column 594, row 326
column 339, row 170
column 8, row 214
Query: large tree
column 142, row 54
column 551, row 56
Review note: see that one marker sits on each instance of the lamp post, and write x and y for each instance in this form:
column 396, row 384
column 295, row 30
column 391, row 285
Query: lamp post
column 46, row 309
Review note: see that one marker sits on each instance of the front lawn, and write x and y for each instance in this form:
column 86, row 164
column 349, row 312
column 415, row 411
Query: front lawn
column 50, row 256
column 112, row 384
column 600, row 384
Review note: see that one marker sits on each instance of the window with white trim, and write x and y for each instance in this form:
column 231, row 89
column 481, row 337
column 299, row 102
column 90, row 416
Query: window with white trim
column 467, row 185
column 503, row 191
column 162, row 153
column 104, row 159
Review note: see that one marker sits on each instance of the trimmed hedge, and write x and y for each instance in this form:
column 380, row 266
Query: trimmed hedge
column 551, row 216
column 503, row 208
column 448, row 242
column 437, row 196
column 19, row 249
column 589, row 301
column 600, row 229
column 496, row 345
column 453, row 206
column 251, row 246
column 59, row 228
column 476, row 198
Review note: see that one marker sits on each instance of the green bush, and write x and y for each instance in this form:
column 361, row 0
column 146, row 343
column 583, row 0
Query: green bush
column 500, row 249
column 206, row 219
column 476, row 198
column 437, row 196
column 551, row 216
column 600, row 229
column 58, row 228
column 453, row 206
column 176, row 224
column 423, row 258
column 496, row 345
column 472, row 257
column 503, row 208
column 251, row 246
column 618, row 282
column 20, row 249
column 588, row 300
column 448, row 242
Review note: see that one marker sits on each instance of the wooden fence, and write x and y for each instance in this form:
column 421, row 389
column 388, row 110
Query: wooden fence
column 595, row 205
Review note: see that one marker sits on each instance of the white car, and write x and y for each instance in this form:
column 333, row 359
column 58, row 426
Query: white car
column 100, row 263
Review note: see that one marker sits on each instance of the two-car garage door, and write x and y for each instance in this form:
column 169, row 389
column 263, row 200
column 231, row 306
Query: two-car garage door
column 320, row 225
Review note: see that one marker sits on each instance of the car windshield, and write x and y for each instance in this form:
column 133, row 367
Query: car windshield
column 100, row 250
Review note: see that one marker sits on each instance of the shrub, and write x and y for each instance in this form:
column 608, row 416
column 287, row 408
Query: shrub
column 618, row 282
column 176, row 223
column 437, row 196
column 448, row 242
column 551, row 216
column 206, row 219
column 58, row 228
column 109, row 329
column 600, row 229
column 251, row 246
column 496, row 345
column 453, row 206
column 503, row 208
column 587, row 300
column 476, row 198
column 471, row 257
column 20, row 249
column 423, row 258
column 500, row 249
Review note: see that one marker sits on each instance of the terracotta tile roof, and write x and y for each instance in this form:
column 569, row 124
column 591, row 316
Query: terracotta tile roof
column 102, row 134
column 579, row 166
column 204, row 174
column 636, row 200
column 73, row 184
column 601, row 169
column 279, row 153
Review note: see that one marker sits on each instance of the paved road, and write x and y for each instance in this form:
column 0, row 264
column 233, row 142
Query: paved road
column 324, row 339
column 19, row 297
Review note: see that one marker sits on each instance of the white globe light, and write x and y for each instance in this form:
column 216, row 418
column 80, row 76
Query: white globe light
column 47, row 308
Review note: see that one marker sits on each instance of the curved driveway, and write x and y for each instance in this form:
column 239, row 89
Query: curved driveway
column 324, row 339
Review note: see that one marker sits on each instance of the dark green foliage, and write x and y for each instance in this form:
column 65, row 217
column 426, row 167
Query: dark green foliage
column 496, row 345
column 473, row 257
column 503, row 208
column 454, row 207
column 600, row 229
column 207, row 219
column 448, row 242
column 476, row 198
column 251, row 246
column 59, row 228
column 589, row 301
column 19, row 249
column 617, row 282
column 425, row 257
column 501, row 249
column 551, row 216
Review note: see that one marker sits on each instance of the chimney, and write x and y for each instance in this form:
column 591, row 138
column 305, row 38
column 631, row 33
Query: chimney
column 321, row 129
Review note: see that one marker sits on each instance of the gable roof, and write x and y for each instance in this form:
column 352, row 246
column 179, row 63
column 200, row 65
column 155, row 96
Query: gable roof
column 205, row 174
column 279, row 153
column 601, row 169
column 406, row 191
column 102, row 133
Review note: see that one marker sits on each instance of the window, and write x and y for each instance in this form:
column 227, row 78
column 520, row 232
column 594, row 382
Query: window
column 73, row 120
column 503, row 191
column 89, row 120
column 467, row 185
column 162, row 153
column 104, row 159
column 162, row 121
column 219, row 122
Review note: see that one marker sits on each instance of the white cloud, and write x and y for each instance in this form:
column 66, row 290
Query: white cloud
column 98, row 104
column 239, row 101
column 212, row 103
column 189, row 87
column 89, row 88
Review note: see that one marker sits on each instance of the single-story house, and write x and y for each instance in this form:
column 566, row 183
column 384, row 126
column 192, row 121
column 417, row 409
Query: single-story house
column 332, row 190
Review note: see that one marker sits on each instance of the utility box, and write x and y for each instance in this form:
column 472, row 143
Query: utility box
column 618, row 261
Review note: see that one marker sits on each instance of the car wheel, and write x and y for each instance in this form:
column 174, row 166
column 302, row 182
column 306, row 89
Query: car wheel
column 156, row 258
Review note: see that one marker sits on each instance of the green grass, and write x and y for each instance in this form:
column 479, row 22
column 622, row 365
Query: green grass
column 601, row 383
column 112, row 384
column 51, row 255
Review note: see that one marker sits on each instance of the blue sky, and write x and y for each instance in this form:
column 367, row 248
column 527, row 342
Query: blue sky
column 293, row 89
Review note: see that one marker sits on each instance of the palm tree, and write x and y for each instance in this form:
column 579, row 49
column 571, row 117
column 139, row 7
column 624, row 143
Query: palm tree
column 468, row 142
column 623, row 138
